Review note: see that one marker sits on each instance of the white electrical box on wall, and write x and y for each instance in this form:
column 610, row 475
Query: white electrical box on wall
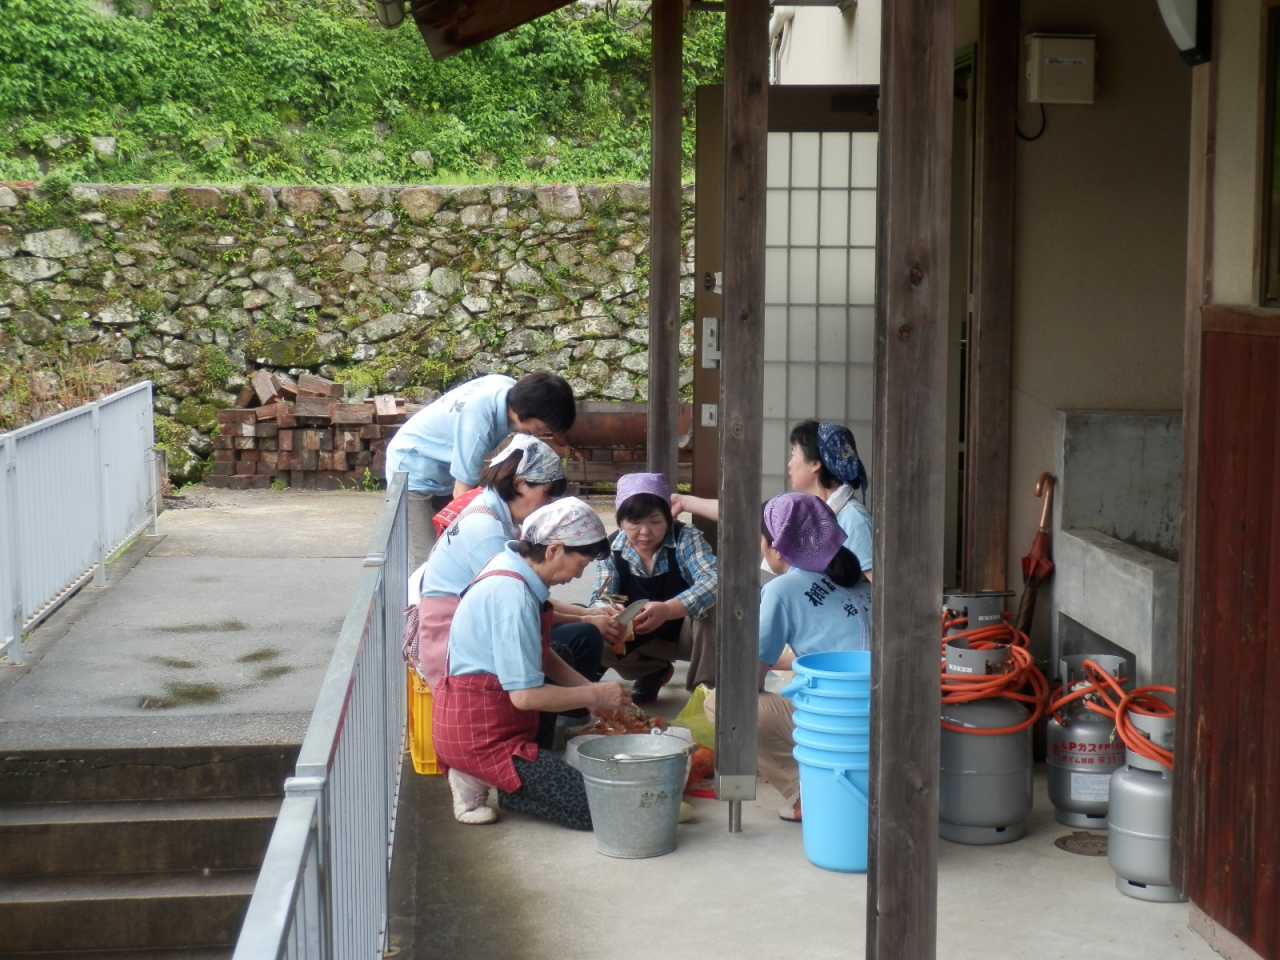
column 1060, row 68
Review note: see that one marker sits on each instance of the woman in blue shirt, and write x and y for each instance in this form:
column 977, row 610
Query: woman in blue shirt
column 442, row 447
column 825, row 462
column 820, row 601
column 501, row 673
column 524, row 476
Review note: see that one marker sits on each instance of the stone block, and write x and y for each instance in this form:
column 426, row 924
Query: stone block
column 302, row 201
column 55, row 244
column 204, row 198
column 559, row 200
column 30, row 269
column 386, row 327
column 419, row 203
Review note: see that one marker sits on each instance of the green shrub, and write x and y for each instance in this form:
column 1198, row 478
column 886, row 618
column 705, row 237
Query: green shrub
column 305, row 90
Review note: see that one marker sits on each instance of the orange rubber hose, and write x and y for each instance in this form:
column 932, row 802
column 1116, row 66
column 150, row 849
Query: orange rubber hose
column 1011, row 685
column 1104, row 694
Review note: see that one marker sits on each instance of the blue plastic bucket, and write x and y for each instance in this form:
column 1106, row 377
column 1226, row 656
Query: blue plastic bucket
column 841, row 743
column 837, row 672
column 834, row 804
column 852, row 722
column 848, row 705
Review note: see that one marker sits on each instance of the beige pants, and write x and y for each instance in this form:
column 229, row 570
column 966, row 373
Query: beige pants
column 419, row 509
column 774, row 743
column 697, row 644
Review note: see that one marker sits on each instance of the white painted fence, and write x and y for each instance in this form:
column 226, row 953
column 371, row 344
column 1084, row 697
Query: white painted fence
column 73, row 489
column 322, row 890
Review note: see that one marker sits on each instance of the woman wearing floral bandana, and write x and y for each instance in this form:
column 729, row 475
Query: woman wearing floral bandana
column 501, row 673
column 524, row 475
column 820, row 601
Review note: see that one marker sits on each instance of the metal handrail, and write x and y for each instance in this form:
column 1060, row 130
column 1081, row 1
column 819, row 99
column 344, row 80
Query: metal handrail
column 74, row 487
column 322, row 890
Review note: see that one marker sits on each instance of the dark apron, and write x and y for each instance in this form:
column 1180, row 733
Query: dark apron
column 474, row 725
column 663, row 586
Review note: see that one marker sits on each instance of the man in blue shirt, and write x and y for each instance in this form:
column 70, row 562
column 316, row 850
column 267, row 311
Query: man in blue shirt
column 442, row 447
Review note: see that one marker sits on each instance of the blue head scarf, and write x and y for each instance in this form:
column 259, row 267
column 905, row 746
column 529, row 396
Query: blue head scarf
column 839, row 453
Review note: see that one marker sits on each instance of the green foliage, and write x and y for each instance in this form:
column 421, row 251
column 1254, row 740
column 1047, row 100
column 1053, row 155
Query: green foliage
column 306, row 90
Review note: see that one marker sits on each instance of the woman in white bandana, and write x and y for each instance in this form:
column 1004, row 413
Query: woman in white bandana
column 501, row 672
column 524, row 475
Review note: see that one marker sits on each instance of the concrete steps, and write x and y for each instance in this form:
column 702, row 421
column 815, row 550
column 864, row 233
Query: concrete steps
column 124, row 911
column 133, row 853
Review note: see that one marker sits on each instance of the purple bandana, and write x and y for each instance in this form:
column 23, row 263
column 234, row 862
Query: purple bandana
column 804, row 530
column 631, row 484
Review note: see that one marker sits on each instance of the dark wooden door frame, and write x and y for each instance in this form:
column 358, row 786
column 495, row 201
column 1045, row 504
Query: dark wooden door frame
column 665, row 248
column 985, row 544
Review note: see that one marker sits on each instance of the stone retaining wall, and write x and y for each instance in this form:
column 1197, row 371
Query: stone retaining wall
column 389, row 289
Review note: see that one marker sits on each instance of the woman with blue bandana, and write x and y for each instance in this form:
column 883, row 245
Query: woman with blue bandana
column 824, row 462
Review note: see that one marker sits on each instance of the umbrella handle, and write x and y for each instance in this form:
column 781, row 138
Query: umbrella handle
column 1044, row 486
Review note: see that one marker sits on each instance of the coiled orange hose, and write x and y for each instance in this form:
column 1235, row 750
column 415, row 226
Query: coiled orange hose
column 1105, row 695
column 1011, row 685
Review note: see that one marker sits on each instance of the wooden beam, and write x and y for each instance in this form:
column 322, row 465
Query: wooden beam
column 746, row 89
column 1190, row 830
column 912, row 280
column 664, row 235
column 985, row 552
column 451, row 26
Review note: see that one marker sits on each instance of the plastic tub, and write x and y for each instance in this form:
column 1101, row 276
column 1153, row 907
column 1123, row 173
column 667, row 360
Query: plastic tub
column 833, row 794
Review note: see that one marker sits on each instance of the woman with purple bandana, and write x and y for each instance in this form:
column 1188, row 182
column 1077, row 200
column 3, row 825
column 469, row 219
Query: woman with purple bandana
column 820, row 601
column 671, row 566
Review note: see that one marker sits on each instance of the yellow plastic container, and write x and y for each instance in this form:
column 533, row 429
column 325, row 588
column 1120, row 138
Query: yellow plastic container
column 420, row 749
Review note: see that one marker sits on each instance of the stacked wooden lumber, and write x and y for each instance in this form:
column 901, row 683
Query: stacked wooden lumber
column 302, row 433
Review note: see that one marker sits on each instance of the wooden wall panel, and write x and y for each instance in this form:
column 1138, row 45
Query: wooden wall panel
column 1232, row 846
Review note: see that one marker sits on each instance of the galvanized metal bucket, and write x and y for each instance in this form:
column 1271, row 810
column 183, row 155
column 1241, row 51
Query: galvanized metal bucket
column 634, row 782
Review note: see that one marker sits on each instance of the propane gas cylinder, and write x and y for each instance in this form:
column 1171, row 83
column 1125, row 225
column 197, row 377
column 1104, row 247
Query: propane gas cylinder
column 1083, row 751
column 974, row 610
column 1140, row 821
column 985, row 784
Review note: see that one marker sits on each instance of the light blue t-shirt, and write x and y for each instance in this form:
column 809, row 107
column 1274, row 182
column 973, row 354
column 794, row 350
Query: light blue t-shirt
column 448, row 439
column 496, row 628
column 467, row 546
column 855, row 521
column 813, row 614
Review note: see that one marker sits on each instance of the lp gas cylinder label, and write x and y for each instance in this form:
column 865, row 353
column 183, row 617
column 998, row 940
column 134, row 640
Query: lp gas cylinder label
column 1092, row 787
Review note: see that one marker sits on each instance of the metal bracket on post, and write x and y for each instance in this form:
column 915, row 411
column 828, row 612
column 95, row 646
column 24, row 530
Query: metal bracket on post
column 710, row 342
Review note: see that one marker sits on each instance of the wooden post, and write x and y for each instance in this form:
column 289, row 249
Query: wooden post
column 985, row 562
column 664, row 238
column 741, row 398
column 1190, row 826
column 910, row 409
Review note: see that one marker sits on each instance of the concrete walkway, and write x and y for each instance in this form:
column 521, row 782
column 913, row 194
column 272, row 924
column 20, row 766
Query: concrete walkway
column 218, row 631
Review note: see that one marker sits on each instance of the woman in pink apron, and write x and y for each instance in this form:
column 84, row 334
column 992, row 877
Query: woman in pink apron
column 523, row 476
column 501, row 672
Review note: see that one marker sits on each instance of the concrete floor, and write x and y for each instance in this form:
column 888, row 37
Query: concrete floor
column 524, row 889
column 216, row 632
column 283, row 565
